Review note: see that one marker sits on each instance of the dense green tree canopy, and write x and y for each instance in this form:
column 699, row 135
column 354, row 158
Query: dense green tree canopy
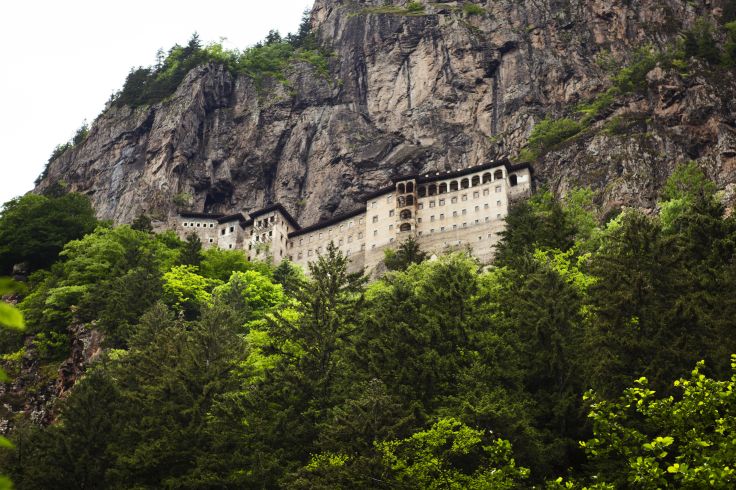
column 222, row 373
column 34, row 228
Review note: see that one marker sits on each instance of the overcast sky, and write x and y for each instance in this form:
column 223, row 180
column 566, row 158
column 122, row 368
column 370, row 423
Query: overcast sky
column 63, row 59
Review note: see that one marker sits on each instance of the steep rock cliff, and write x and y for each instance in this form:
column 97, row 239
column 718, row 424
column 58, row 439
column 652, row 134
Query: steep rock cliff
column 432, row 90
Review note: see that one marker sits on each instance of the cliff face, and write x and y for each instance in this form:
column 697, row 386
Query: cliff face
column 436, row 90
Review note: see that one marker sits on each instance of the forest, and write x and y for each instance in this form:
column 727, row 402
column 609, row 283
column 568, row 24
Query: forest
column 595, row 352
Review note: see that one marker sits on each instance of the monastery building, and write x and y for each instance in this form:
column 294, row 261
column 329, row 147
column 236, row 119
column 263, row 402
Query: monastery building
column 443, row 211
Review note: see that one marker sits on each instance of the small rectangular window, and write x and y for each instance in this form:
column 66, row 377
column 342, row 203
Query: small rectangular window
column 420, row 206
column 375, row 232
column 390, row 212
column 431, row 218
column 453, row 200
column 465, row 197
column 476, row 195
column 442, row 202
column 477, row 208
column 431, row 204
column 232, row 229
column 498, row 188
column 485, row 192
column 464, row 212
column 390, row 227
column 360, row 235
column 375, row 219
column 498, row 203
column 442, row 216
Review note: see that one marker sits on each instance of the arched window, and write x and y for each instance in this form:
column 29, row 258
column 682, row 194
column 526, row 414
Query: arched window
column 401, row 201
column 405, row 214
column 453, row 185
column 512, row 180
column 464, row 183
column 498, row 174
column 401, row 188
column 422, row 191
column 487, row 177
column 443, row 188
column 405, row 227
column 475, row 181
column 410, row 187
column 409, row 200
column 432, row 189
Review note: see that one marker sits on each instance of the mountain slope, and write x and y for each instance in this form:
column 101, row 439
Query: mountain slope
column 445, row 87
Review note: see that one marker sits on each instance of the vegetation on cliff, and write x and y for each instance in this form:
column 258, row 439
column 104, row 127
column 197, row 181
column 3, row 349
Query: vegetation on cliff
column 714, row 46
column 224, row 373
column 267, row 59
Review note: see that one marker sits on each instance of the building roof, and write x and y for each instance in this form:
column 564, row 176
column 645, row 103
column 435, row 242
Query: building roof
column 453, row 174
column 329, row 222
column 232, row 217
column 280, row 209
column 200, row 215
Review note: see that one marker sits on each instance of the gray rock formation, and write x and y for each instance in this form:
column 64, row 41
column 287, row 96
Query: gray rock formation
column 437, row 90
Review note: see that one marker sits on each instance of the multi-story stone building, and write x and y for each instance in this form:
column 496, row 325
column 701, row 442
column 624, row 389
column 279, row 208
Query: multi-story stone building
column 443, row 211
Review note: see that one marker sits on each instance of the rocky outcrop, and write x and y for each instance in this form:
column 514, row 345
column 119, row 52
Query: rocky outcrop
column 38, row 384
column 407, row 92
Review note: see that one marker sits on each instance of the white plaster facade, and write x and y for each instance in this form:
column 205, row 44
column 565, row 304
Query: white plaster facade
column 443, row 210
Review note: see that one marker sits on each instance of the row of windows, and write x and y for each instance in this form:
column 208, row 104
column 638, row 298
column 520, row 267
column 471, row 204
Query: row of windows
column 464, row 225
column 318, row 251
column 309, row 239
column 476, row 180
column 464, row 197
column 203, row 225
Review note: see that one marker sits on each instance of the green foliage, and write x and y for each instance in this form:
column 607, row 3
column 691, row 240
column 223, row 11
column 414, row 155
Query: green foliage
column 633, row 77
column 142, row 223
column 408, row 253
column 683, row 441
column 220, row 264
column 699, row 42
column 191, row 252
column 182, row 200
column 541, row 222
column 414, row 7
column 251, row 295
column 451, row 455
column 186, row 291
column 10, row 317
column 79, row 136
column 729, row 47
column 472, row 9
column 265, row 60
column 111, row 276
column 231, row 374
column 33, row 228
column 550, row 132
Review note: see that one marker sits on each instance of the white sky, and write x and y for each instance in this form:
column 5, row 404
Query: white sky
column 63, row 59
